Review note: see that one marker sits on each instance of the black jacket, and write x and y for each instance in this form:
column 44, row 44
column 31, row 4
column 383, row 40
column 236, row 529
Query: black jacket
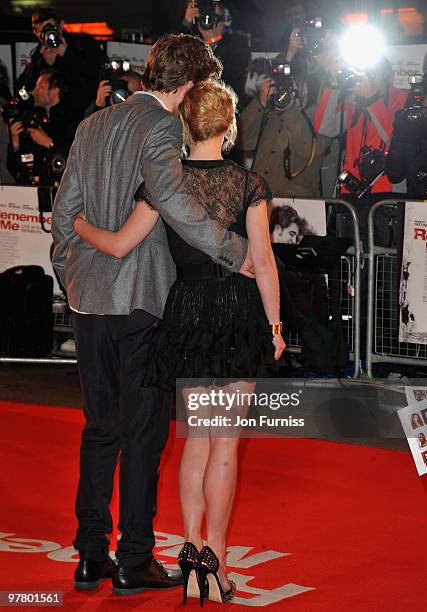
column 407, row 156
column 80, row 64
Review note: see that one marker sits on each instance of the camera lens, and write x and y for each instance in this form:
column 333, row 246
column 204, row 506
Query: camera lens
column 281, row 99
column 51, row 36
column 57, row 164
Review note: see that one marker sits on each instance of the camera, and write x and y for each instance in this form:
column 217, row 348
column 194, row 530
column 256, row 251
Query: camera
column 353, row 184
column 49, row 169
column 311, row 31
column 208, row 17
column 21, row 108
column 371, row 164
column 313, row 35
column 51, row 36
column 110, row 72
column 348, row 77
column 57, row 164
column 286, row 90
column 417, row 112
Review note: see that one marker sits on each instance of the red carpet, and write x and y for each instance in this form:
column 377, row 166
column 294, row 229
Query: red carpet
column 317, row 526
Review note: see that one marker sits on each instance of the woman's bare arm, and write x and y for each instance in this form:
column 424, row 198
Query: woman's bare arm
column 264, row 265
column 136, row 227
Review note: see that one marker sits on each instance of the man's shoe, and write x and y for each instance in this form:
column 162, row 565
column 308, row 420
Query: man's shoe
column 131, row 580
column 89, row 573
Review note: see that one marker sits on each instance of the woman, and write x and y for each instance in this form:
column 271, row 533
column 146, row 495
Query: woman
column 215, row 326
column 286, row 226
column 422, row 440
column 416, row 420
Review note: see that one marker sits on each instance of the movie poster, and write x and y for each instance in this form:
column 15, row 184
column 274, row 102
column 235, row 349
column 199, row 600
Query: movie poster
column 22, row 240
column 293, row 218
column 413, row 280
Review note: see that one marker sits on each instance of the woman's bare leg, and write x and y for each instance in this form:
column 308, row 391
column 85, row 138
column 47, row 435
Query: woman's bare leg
column 219, row 483
column 191, row 474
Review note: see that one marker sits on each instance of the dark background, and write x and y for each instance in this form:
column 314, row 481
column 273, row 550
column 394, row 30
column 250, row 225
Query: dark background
column 263, row 18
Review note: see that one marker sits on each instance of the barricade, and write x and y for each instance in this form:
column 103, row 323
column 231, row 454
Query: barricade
column 349, row 273
column 382, row 338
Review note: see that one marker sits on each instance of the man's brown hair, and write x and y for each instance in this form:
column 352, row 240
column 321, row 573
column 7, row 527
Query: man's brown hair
column 176, row 59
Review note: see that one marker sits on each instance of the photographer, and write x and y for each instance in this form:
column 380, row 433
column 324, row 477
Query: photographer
column 110, row 91
column 209, row 19
column 77, row 56
column 362, row 114
column 407, row 158
column 40, row 139
column 276, row 126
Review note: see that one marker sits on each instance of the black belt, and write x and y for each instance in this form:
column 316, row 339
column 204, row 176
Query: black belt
column 205, row 271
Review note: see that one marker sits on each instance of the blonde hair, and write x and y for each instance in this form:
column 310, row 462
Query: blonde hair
column 208, row 110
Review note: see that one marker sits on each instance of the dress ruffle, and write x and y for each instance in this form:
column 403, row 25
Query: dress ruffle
column 211, row 330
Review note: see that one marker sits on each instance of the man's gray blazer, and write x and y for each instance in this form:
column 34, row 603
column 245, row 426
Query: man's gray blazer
column 113, row 152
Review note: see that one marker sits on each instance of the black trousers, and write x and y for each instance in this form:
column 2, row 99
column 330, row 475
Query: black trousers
column 123, row 420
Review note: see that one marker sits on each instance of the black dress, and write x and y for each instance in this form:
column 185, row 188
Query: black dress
column 212, row 328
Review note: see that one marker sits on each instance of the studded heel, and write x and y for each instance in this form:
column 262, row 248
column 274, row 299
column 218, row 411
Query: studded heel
column 207, row 572
column 188, row 560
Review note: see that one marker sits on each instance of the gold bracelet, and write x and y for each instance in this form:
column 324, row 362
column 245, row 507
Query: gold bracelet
column 276, row 328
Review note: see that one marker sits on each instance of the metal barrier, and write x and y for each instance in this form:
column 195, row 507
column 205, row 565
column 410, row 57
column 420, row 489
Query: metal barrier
column 382, row 337
column 350, row 267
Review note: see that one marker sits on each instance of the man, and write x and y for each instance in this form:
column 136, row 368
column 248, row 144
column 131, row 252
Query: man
column 131, row 80
column 368, row 112
column 114, row 151
column 32, row 149
column 78, row 57
column 286, row 150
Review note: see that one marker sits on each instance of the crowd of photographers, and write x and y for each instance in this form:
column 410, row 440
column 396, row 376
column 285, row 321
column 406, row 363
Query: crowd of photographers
column 311, row 127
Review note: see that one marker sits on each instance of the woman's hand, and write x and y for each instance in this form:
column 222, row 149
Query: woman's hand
column 77, row 218
column 279, row 345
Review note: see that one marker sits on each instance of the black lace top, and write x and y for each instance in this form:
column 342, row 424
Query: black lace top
column 225, row 191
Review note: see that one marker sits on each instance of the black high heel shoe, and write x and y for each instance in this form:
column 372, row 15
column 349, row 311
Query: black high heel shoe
column 188, row 560
column 207, row 574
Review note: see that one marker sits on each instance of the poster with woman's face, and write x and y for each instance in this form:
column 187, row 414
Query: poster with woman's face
column 292, row 219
